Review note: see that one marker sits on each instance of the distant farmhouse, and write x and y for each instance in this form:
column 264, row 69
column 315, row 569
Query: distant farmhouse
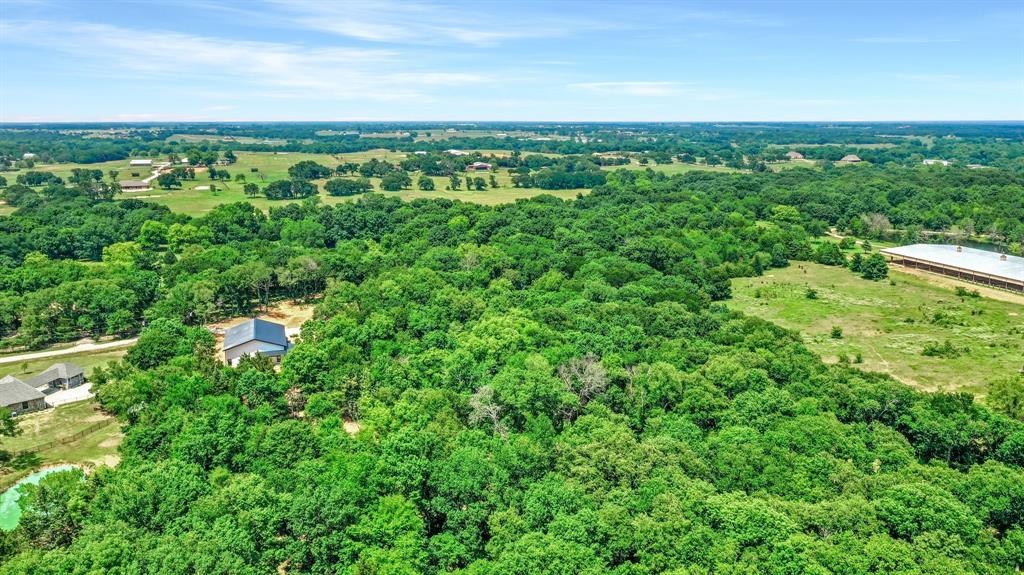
column 20, row 397
column 478, row 167
column 934, row 162
column 140, row 163
column 851, row 158
column 255, row 337
column 59, row 376
column 134, row 185
column 28, row 156
column 794, row 155
column 456, row 152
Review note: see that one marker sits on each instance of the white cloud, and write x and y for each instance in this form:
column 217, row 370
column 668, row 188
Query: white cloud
column 902, row 40
column 418, row 22
column 653, row 89
column 278, row 70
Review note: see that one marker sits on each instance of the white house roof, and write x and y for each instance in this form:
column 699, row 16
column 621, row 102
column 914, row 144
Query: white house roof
column 969, row 259
column 140, row 162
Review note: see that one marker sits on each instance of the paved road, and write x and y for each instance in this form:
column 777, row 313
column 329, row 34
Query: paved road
column 82, row 347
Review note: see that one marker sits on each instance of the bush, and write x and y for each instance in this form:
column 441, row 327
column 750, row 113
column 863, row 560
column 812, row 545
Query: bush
column 836, row 333
column 944, row 350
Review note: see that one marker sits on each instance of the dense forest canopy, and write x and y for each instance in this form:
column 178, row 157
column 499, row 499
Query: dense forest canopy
column 542, row 387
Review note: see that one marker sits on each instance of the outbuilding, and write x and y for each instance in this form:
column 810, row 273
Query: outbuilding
column 851, row 158
column 979, row 266
column 478, row 167
column 255, row 337
column 794, row 155
column 134, row 185
column 20, row 397
column 140, row 163
column 28, row 156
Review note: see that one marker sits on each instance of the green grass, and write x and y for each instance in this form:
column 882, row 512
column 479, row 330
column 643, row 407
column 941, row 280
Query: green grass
column 273, row 167
column 95, row 448
column 889, row 325
column 86, row 360
column 673, row 168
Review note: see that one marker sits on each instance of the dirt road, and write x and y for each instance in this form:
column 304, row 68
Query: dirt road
column 82, row 347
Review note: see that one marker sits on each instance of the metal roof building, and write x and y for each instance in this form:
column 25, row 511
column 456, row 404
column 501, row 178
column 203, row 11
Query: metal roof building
column 255, row 336
column 980, row 266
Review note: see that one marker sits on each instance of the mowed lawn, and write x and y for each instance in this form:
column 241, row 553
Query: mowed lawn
column 889, row 325
column 86, row 360
column 97, row 446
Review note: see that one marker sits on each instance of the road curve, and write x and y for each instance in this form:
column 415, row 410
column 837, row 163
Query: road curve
column 82, row 347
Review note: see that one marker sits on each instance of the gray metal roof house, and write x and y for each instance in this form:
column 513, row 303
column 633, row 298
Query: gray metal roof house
column 59, row 376
column 255, row 336
column 20, row 397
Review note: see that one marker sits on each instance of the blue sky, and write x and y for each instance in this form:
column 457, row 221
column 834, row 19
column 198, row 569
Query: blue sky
column 510, row 60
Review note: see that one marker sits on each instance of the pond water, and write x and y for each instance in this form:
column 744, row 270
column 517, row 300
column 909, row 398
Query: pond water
column 10, row 513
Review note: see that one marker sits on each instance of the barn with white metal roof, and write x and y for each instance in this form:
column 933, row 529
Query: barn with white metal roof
column 980, row 266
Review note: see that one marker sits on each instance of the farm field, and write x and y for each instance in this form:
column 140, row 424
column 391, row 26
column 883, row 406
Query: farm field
column 889, row 325
column 97, row 446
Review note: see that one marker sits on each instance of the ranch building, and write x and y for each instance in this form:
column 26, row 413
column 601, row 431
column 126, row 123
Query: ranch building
column 255, row 337
column 794, row 155
column 140, row 163
column 134, row 185
column 979, row 266
column 851, row 158
column 478, row 167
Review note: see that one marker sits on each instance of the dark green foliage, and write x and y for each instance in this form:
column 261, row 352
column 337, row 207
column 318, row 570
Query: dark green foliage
column 874, row 267
column 348, row 187
column 309, row 170
column 541, row 387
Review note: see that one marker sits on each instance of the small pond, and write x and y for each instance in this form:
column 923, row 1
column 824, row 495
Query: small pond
column 9, row 510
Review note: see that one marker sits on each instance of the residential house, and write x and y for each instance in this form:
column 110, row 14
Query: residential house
column 140, row 163
column 794, row 155
column 478, row 167
column 58, row 376
column 20, row 397
column 255, row 337
column 851, row 158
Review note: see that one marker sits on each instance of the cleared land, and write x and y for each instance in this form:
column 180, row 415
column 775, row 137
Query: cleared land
column 274, row 166
column 87, row 360
column 889, row 325
column 100, row 437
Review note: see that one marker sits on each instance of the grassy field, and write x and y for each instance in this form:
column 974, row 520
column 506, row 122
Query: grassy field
column 86, row 360
column 889, row 325
column 195, row 197
column 96, row 447
column 274, row 166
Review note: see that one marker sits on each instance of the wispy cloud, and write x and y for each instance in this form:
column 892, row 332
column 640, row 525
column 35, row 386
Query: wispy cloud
column 419, row 22
column 903, row 40
column 654, row 89
column 280, row 70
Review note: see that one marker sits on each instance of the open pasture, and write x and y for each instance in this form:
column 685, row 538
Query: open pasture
column 889, row 325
